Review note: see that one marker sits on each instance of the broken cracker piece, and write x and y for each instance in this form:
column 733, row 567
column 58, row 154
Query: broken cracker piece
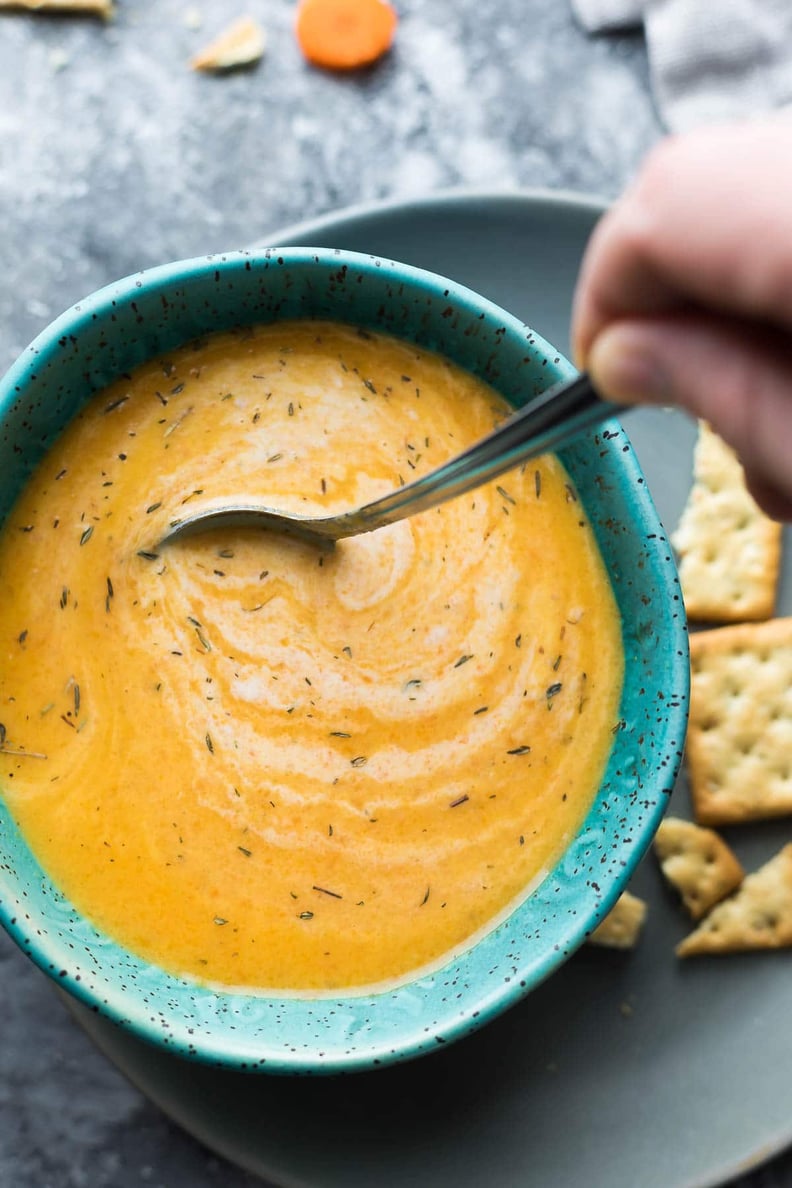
column 698, row 863
column 100, row 8
column 241, row 44
column 739, row 743
column 622, row 926
column 758, row 916
column 729, row 551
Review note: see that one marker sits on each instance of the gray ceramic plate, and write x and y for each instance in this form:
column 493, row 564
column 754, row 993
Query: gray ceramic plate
column 622, row 1070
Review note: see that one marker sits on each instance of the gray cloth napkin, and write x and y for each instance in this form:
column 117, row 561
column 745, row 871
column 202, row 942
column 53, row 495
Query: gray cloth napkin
column 710, row 60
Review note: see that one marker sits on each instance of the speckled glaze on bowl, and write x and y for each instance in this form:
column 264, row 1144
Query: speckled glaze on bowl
column 121, row 326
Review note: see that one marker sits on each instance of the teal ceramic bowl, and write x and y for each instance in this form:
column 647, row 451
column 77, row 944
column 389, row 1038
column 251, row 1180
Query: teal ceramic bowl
column 123, row 325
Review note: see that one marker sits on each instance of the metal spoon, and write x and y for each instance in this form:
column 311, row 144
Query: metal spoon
column 551, row 420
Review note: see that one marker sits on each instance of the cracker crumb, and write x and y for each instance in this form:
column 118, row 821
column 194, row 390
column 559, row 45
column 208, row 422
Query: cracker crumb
column 697, row 862
column 100, row 8
column 58, row 60
column 193, row 18
column 241, row 44
column 622, row 926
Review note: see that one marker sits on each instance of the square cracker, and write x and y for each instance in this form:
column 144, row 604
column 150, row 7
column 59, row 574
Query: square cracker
column 739, row 744
column 758, row 916
column 698, row 862
column 622, row 926
column 729, row 551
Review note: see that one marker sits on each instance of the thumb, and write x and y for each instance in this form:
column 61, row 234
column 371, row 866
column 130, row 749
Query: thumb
column 731, row 374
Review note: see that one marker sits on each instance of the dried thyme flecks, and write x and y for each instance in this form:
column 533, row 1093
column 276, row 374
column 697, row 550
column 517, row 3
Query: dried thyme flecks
column 114, row 404
column 203, row 641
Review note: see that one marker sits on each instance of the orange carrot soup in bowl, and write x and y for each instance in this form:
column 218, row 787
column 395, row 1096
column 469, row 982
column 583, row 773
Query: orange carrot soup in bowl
column 299, row 811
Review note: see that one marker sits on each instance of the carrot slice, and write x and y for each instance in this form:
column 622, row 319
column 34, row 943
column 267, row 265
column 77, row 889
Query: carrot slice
column 344, row 34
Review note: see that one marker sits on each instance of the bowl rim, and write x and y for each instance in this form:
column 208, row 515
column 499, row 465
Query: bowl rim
column 227, row 1050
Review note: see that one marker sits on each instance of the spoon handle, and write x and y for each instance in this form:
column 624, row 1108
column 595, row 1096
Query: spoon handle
column 552, row 420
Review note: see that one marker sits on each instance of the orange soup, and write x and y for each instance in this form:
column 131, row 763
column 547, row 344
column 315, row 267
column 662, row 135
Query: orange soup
column 267, row 767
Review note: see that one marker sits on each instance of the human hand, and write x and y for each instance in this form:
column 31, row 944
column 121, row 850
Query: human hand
column 685, row 293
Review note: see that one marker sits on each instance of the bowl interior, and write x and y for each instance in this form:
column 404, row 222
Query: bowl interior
column 123, row 325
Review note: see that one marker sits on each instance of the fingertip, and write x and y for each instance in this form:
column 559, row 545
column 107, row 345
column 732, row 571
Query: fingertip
column 624, row 367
